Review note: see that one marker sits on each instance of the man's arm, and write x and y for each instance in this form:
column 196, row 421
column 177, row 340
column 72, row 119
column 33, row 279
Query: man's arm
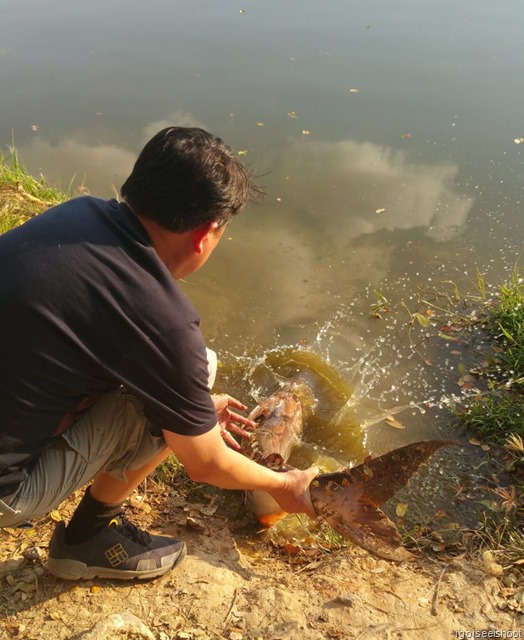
column 206, row 458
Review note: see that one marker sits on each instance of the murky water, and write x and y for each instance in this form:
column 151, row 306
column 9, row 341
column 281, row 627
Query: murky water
column 389, row 140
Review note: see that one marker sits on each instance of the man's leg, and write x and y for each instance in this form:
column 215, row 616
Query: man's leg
column 111, row 490
column 111, row 443
column 99, row 541
column 103, row 500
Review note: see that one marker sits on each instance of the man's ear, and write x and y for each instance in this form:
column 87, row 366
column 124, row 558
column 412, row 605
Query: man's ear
column 200, row 234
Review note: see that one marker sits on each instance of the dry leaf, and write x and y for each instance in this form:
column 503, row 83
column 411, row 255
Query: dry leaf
column 401, row 509
column 393, row 422
column 291, row 549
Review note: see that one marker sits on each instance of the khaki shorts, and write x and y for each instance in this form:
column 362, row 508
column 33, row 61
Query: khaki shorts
column 113, row 435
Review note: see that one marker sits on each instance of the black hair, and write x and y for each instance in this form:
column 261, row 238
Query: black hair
column 185, row 177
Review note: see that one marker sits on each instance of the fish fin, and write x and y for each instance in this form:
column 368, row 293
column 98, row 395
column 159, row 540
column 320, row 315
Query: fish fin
column 345, row 508
column 348, row 500
column 271, row 519
column 384, row 476
column 373, row 531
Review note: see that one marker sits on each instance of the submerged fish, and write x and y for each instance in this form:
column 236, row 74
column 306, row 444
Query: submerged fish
column 347, row 500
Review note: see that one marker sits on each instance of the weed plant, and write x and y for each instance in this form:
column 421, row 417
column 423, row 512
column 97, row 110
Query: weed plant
column 21, row 195
column 497, row 416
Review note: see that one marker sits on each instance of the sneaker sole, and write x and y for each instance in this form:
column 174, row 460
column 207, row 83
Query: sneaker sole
column 68, row 569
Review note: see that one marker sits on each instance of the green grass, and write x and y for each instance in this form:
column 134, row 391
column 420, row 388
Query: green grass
column 21, row 195
column 498, row 413
column 506, row 321
column 496, row 416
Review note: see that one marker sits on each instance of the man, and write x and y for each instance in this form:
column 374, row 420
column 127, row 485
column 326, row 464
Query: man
column 103, row 370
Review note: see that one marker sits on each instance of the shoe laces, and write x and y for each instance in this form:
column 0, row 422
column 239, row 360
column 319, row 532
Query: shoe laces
column 129, row 530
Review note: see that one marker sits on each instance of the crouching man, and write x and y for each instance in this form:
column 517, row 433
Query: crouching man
column 103, row 369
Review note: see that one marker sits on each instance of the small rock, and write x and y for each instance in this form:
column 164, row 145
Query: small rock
column 31, row 553
column 114, row 624
column 347, row 599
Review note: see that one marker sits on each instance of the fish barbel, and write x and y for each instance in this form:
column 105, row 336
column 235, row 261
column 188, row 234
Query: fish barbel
column 347, row 500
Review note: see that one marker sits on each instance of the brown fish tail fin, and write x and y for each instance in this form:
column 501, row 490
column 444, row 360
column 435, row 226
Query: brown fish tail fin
column 384, row 476
column 348, row 500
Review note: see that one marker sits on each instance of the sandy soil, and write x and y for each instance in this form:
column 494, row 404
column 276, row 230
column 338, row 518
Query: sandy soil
column 235, row 584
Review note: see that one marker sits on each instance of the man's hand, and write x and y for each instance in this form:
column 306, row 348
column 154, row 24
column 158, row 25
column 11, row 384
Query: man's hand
column 230, row 421
column 293, row 496
column 206, row 458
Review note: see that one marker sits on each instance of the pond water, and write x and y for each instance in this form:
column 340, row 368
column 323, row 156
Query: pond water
column 388, row 137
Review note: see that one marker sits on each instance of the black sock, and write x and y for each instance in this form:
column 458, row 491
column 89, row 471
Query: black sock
column 89, row 518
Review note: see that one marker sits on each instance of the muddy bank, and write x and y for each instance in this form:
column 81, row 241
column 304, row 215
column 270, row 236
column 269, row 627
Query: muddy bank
column 237, row 586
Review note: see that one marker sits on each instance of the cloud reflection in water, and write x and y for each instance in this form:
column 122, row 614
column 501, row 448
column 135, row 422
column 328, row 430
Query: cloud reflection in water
column 320, row 242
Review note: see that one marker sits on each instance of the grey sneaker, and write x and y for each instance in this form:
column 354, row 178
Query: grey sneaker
column 120, row 551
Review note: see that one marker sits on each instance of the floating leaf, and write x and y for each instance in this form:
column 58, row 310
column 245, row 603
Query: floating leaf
column 306, row 132
column 292, row 114
column 260, row 124
column 407, row 136
column 243, row 152
column 446, row 337
column 354, row 91
column 379, row 210
column 393, row 422
column 421, row 319
column 401, row 509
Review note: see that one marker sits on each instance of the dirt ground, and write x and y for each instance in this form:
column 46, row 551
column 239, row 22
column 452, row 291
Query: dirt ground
column 235, row 584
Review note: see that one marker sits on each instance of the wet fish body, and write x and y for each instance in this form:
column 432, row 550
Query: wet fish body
column 347, row 500
column 280, row 420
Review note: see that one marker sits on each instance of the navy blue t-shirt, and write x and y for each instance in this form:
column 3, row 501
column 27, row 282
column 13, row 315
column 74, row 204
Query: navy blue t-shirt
column 86, row 305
